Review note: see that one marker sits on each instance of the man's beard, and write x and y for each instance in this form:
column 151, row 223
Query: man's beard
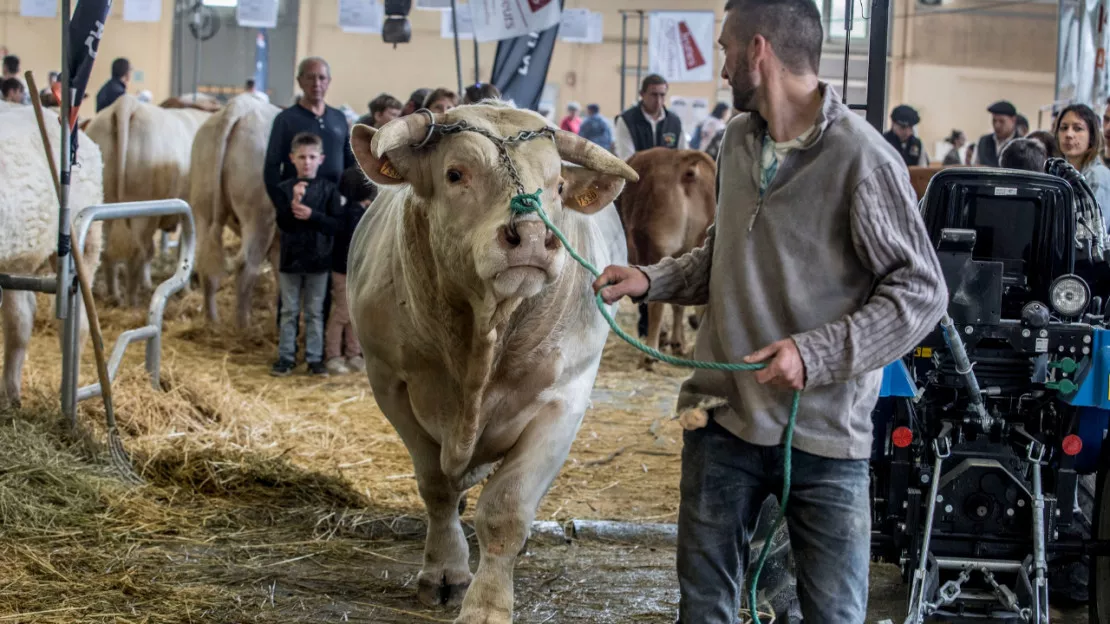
column 743, row 92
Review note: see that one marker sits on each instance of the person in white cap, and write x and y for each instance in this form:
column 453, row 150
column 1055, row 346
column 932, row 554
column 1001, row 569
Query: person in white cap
column 572, row 122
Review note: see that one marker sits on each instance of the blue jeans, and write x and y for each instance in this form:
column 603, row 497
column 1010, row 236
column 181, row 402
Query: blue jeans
column 312, row 287
column 724, row 483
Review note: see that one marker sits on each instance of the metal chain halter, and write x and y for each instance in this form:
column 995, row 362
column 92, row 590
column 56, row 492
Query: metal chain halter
column 522, row 202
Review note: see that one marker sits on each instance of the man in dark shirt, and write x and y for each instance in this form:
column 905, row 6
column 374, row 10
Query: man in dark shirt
column 309, row 114
column 901, row 137
column 116, row 85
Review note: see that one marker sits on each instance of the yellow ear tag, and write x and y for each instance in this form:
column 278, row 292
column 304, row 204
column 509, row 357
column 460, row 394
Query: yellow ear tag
column 586, row 198
column 388, row 170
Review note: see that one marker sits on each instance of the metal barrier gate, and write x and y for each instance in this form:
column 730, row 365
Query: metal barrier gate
column 71, row 302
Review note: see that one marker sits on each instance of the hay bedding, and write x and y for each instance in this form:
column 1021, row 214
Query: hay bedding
column 245, row 468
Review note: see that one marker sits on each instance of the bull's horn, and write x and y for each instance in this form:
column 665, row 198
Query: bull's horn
column 575, row 149
column 402, row 132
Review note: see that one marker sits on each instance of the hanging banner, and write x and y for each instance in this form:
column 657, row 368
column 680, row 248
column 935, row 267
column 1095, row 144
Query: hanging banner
column 520, row 67
column 86, row 27
column 433, row 5
column 142, row 10
column 257, row 13
column 38, row 8
column 261, row 61
column 497, row 20
column 1083, row 39
column 680, row 45
column 466, row 25
column 361, row 16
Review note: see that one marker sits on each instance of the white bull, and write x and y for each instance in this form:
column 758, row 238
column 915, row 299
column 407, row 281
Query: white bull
column 29, row 223
column 481, row 337
column 226, row 188
column 146, row 157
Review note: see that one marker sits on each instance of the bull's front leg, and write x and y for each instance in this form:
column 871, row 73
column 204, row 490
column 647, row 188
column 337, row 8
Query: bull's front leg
column 507, row 506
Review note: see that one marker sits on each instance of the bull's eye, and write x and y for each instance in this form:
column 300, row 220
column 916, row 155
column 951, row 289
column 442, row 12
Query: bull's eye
column 560, row 187
column 454, row 176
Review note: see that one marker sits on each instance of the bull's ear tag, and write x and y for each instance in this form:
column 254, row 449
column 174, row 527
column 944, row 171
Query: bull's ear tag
column 388, row 170
column 586, row 198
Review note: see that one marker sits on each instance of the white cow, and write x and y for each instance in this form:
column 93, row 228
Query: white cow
column 29, row 223
column 226, row 188
column 480, row 332
column 154, row 165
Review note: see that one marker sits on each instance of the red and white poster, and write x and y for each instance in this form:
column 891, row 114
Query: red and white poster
column 495, row 20
column 680, row 45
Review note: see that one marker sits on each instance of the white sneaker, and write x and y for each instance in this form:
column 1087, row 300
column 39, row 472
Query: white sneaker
column 357, row 364
column 336, row 366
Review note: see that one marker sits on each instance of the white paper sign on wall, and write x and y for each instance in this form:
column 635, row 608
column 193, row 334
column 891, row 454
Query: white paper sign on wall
column 496, row 20
column 38, row 8
column 257, row 13
column 580, row 26
column 433, row 5
column 142, row 10
column 680, row 47
column 466, row 24
column 361, row 16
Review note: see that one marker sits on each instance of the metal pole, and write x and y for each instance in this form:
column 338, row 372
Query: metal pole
column 458, row 58
column 477, row 75
column 640, row 50
column 196, row 65
column 624, row 56
column 61, row 308
column 178, row 22
column 877, row 63
column 847, row 45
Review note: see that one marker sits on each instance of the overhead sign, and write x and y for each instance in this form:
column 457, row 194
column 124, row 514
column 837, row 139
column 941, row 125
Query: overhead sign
column 361, row 16
column 497, row 20
column 257, row 13
column 580, row 26
column 680, row 47
column 466, row 25
column 38, row 8
column 433, row 5
column 142, row 10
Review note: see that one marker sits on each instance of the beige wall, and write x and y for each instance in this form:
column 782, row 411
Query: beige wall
column 37, row 42
column 363, row 66
column 952, row 66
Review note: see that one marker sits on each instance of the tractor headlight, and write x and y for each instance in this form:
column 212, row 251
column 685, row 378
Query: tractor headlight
column 1069, row 295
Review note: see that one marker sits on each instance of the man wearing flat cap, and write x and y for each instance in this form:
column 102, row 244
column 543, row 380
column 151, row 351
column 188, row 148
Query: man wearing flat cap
column 901, row 137
column 1004, row 121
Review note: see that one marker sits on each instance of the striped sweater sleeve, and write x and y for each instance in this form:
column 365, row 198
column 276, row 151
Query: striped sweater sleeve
column 683, row 280
column 909, row 297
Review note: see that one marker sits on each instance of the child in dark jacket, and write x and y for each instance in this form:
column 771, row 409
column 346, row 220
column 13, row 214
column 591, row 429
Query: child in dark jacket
column 307, row 218
column 359, row 193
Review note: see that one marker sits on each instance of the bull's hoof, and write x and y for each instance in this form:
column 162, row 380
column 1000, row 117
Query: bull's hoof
column 443, row 587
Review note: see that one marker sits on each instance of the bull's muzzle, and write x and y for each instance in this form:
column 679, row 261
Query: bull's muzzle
column 527, row 243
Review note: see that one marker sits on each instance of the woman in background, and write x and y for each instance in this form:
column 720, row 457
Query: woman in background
column 1079, row 134
column 957, row 140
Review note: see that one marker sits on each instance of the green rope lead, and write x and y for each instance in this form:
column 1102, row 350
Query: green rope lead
column 530, row 202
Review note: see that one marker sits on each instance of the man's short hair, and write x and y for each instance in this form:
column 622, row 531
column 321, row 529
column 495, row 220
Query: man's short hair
column 481, row 91
column 383, row 103
column 11, row 64
column 418, row 96
column 120, row 67
column 305, row 62
column 441, row 94
column 793, row 28
column 8, row 85
column 250, row 83
column 652, row 80
column 1023, row 154
column 306, row 139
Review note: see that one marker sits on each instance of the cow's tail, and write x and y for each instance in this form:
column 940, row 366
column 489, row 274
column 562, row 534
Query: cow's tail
column 209, row 183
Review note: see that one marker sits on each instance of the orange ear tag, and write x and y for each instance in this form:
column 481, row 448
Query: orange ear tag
column 388, row 170
column 586, row 198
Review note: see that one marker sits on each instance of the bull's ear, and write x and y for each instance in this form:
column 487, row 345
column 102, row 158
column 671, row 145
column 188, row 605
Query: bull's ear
column 379, row 170
column 589, row 191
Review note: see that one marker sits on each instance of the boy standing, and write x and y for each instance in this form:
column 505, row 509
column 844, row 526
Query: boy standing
column 307, row 218
column 359, row 193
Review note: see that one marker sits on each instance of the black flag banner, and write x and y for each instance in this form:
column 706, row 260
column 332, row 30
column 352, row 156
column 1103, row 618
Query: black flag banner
column 520, row 67
column 85, row 30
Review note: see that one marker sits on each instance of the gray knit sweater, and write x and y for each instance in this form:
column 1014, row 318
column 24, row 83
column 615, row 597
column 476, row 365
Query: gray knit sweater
column 837, row 258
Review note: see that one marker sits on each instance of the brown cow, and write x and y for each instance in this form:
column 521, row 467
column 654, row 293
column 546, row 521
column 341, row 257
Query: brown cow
column 666, row 214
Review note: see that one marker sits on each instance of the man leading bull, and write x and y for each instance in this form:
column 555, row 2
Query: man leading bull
column 819, row 266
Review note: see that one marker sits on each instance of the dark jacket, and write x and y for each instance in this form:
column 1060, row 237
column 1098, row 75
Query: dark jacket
column 306, row 245
column 910, row 151
column 331, row 127
column 987, row 154
column 348, row 221
column 110, row 92
column 667, row 131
